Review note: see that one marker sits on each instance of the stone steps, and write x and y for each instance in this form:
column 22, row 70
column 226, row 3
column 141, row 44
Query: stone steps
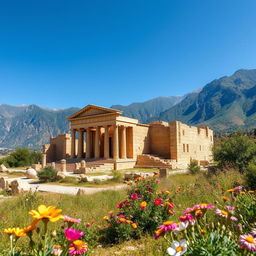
column 152, row 161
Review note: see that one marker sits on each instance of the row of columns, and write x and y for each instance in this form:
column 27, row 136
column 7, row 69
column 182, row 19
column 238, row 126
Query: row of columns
column 115, row 142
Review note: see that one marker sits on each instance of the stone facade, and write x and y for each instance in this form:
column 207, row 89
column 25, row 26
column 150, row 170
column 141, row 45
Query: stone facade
column 102, row 134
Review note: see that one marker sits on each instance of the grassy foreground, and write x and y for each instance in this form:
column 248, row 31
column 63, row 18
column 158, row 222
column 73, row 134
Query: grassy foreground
column 186, row 191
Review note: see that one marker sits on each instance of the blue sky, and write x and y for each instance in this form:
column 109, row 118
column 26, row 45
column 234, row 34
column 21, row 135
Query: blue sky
column 62, row 53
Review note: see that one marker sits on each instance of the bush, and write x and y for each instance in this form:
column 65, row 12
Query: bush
column 194, row 168
column 140, row 213
column 47, row 174
column 236, row 152
column 250, row 176
column 117, row 176
column 21, row 157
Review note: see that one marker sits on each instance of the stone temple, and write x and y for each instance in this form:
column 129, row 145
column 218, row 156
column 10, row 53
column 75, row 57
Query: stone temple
column 101, row 138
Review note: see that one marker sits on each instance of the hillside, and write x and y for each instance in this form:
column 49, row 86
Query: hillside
column 31, row 126
column 224, row 104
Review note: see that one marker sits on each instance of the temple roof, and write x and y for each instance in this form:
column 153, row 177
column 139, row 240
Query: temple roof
column 93, row 110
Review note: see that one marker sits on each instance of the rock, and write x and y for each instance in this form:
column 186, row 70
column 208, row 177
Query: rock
column 61, row 175
column 18, row 187
column 84, row 178
column 3, row 168
column 3, row 184
column 80, row 192
column 31, row 173
column 129, row 248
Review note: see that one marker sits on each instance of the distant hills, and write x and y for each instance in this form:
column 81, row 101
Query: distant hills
column 144, row 111
column 31, row 126
column 225, row 104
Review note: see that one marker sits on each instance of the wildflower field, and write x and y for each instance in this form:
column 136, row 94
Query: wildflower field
column 196, row 215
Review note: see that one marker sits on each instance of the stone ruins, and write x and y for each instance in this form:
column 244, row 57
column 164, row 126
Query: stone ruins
column 101, row 138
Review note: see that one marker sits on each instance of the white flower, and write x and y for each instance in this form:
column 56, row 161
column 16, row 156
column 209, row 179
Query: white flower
column 183, row 225
column 178, row 248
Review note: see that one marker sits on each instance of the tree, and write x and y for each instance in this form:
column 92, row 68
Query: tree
column 237, row 152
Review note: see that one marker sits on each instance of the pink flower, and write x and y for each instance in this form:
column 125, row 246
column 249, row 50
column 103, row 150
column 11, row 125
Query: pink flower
column 230, row 208
column 71, row 220
column 253, row 233
column 78, row 247
column 121, row 204
column 233, row 218
column 222, row 213
column 247, row 242
column 121, row 216
column 73, row 234
column 238, row 188
column 158, row 201
column 134, row 196
column 189, row 218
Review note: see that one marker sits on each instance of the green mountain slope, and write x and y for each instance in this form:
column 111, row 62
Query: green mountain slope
column 224, row 104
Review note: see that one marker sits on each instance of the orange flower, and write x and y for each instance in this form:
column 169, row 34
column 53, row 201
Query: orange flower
column 122, row 219
column 47, row 212
column 224, row 198
column 106, row 217
column 31, row 227
column 251, row 191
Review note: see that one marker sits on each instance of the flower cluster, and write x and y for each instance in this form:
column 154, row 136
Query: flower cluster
column 72, row 245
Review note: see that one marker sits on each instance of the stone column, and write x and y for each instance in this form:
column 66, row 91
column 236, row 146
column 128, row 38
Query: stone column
column 63, row 167
column 123, row 142
column 80, row 143
column 88, row 143
column 73, row 143
column 115, row 143
column 106, row 143
column 97, row 143
column 43, row 160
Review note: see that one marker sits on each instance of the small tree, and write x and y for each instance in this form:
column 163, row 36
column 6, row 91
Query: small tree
column 236, row 152
column 193, row 167
column 47, row 174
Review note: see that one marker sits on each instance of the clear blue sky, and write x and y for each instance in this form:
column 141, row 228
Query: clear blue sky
column 62, row 53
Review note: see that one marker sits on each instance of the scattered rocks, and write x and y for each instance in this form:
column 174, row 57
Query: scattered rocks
column 19, row 187
column 3, row 168
column 129, row 248
column 31, row 173
column 61, row 175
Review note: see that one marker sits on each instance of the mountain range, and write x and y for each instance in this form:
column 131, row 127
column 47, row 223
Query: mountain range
column 225, row 104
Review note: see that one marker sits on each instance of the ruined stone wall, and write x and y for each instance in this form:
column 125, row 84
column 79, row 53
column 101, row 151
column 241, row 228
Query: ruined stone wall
column 141, row 140
column 160, row 139
column 59, row 148
column 193, row 143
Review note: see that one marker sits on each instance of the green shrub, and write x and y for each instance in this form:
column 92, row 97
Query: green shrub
column 250, row 176
column 236, row 152
column 194, row 168
column 47, row 174
column 21, row 157
column 117, row 176
column 142, row 211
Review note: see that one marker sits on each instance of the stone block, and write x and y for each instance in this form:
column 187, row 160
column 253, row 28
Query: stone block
column 63, row 167
column 61, row 175
column 18, row 186
column 3, row 168
column 163, row 172
column 3, row 184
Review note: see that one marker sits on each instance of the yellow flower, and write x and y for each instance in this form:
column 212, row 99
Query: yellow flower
column 47, row 212
column 143, row 204
column 134, row 225
column 18, row 232
column 122, row 220
column 230, row 190
column 106, row 217
column 128, row 221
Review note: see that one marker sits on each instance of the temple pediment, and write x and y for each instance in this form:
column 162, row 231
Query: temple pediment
column 92, row 110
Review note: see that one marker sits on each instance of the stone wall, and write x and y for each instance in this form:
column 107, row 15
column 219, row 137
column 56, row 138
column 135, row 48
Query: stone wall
column 160, row 139
column 59, row 148
column 193, row 143
column 141, row 140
